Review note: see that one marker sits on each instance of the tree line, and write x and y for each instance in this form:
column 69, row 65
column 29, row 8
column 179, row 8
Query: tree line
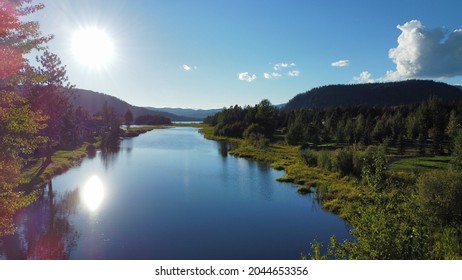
column 430, row 125
column 395, row 215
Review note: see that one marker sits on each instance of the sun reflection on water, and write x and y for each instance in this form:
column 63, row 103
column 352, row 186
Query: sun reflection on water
column 92, row 193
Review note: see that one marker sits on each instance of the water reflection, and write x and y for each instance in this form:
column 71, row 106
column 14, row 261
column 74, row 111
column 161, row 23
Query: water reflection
column 44, row 230
column 92, row 193
column 109, row 156
column 224, row 148
column 230, row 208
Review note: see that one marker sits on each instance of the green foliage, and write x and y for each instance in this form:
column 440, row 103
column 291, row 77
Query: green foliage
column 456, row 161
column 309, row 157
column 233, row 121
column 149, row 120
column 421, row 164
column 19, row 123
column 255, row 136
column 374, row 94
column 295, row 134
column 373, row 170
column 324, row 160
column 342, row 161
column 439, row 196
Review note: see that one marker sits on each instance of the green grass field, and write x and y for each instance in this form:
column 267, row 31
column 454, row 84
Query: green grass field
column 421, row 164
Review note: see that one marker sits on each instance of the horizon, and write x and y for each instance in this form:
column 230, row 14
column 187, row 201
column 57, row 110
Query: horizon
column 215, row 54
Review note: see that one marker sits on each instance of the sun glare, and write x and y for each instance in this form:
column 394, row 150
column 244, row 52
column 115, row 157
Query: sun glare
column 92, row 47
column 92, row 193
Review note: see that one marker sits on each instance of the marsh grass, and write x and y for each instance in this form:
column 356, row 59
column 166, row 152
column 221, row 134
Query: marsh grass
column 336, row 192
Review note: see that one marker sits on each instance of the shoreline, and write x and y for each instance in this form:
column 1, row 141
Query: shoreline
column 38, row 174
column 333, row 190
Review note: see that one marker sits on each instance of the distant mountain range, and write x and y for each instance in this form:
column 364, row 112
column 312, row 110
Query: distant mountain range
column 190, row 113
column 375, row 94
column 93, row 102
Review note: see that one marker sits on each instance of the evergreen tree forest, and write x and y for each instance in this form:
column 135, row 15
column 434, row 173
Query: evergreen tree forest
column 395, row 213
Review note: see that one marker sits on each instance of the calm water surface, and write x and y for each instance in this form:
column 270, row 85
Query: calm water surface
column 170, row 194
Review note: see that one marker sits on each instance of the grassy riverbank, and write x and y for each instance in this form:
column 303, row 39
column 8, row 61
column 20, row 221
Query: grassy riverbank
column 400, row 205
column 334, row 188
column 39, row 172
column 339, row 194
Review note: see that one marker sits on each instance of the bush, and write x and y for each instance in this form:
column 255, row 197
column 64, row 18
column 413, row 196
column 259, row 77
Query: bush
column 255, row 136
column 440, row 196
column 254, row 128
column 309, row 157
column 324, row 160
column 365, row 158
column 342, row 161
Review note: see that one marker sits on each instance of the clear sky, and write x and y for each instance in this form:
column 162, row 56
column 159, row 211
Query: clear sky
column 218, row 53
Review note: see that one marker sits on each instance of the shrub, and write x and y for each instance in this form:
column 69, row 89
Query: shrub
column 439, row 196
column 342, row 161
column 309, row 157
column 254, row 135
column 324, row 160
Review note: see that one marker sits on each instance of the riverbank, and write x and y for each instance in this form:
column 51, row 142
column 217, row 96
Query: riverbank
column 39, row 172
column 337, row 192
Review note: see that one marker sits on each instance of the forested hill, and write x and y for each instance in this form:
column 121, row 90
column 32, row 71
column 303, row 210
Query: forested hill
column 374, row 94
column 93, row 102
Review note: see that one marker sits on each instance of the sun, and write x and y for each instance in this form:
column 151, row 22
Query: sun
column 92, row 47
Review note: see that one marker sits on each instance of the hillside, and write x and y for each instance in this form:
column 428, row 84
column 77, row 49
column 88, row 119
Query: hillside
column 374, row 94
column 94, row 101
column 191, row 113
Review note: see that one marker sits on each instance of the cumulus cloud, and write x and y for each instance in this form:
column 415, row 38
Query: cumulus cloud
column 364, row 77
column 273, row 75
column 281, row 65
column 426, row 53
column 340, row 63
column 294, row 73
column 246, row 76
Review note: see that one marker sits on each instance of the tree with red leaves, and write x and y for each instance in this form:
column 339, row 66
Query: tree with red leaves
column 20, row 125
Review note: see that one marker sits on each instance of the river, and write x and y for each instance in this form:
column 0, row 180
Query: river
column 170, row 194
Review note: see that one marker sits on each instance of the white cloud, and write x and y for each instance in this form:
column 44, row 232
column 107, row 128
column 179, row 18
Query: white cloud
column 281, row 65
column 294, row 73
column 426, row 53
column 245, row 76
column 273, row 75
column 364, row 77
column 186, row 67
column 340, row 63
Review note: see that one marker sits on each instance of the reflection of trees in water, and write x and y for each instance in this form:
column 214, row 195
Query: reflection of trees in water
column 44, row 230
column 128, row 145
column 109, row 156
column 224, row 148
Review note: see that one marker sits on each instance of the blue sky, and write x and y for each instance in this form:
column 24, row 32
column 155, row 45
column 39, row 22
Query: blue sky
column 217, row 53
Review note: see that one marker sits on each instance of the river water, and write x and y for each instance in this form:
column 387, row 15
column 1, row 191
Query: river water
column 170, row 194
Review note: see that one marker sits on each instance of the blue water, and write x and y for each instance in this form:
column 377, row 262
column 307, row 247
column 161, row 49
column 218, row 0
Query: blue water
column 170, row 194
